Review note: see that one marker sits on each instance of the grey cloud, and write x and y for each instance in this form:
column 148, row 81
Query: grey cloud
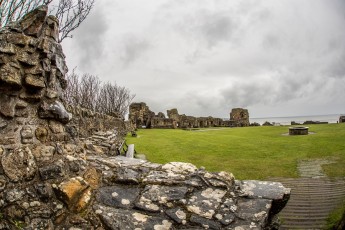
column 217, row 54
column 90, row 39
column 132, row 49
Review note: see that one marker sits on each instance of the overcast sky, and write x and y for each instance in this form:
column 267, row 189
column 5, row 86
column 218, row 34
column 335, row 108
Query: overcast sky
column 204, row 57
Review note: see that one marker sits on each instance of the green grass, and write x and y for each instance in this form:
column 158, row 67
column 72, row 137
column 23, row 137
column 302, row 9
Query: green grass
column 249, row 153
column 335, row 216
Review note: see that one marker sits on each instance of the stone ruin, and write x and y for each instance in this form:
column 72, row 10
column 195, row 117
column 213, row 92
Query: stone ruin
column 239, row 117
column 55, row 173
column 140, row 115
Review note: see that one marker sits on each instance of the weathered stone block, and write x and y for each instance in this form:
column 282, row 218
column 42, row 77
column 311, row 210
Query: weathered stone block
column 118, row 196
column 7, row 48
column 26, row 135
column 30, row 96
column 75, row 193
column 41, row 134
column 55, row 110
column 43, row 153
column 44, row 191
column 34, row 81
column 10, row 76
column 154, row 196
column 205, row 203
column 27, row 59
column 19, row 164
column 205, row 223
column 53, row 25
column 92, row 177
column 53, row 171
column 128, row 219
column 18, row 39
column 32, row 22
column 7, row 105
column 56, row 127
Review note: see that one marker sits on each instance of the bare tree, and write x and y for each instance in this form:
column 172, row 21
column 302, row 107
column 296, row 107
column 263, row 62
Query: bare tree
column 13, row 10
column 88, row 92
column 114, row 99
column 71, row 93
column 71, row 13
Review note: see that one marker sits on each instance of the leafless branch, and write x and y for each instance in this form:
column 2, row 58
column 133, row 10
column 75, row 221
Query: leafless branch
column 70, row 13
column 88, row 92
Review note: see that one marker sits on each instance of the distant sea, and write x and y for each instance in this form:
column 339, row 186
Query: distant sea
column 331, row 118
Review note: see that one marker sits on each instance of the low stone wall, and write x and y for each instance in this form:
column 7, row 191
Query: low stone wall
column 86, row 122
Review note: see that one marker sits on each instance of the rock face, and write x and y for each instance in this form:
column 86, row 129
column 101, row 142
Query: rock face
column 58, row 168
column 239, row 117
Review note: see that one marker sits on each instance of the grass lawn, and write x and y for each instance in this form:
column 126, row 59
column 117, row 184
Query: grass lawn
column 249, row 153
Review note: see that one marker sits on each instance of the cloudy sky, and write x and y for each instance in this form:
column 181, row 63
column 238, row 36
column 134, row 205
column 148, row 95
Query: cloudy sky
column 204, row 57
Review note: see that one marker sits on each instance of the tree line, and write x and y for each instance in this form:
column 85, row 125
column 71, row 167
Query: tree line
column 70, row 13
column 87, row 91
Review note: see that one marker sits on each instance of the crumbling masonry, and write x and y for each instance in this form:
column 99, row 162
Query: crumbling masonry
column 141, row 116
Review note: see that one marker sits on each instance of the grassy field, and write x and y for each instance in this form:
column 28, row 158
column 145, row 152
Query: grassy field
column 249, row 153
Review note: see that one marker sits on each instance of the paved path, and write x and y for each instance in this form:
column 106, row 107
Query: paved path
column 313, row 197
column 311, row 201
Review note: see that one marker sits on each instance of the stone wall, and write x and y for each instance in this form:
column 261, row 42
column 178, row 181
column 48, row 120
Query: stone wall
column 239, row 117
column 140, row 113
column 86, row 122
column 52, row 178
column 32, row 77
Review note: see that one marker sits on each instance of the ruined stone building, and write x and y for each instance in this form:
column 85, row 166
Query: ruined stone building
column 239, row 117
column 139, row 114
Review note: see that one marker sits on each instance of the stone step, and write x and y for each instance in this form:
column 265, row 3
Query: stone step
column 311, row 201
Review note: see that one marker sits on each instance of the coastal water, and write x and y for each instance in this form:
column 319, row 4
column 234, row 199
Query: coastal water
column 331, row 118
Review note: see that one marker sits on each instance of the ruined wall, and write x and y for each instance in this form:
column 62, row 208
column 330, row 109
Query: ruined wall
column 141, row 114
column 32, row 77
column 86, row 122
column 239, row 117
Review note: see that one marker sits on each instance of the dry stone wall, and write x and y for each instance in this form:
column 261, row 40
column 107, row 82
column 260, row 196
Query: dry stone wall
column 56, row 174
